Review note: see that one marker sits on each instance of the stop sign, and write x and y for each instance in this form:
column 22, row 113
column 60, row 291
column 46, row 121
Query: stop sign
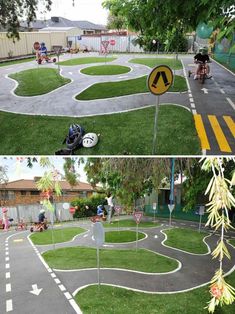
column 72, row 210
column 112, row 42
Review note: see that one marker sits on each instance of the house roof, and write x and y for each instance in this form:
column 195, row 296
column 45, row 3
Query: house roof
column 31, row 185
column 56, row 29
column 63, row 22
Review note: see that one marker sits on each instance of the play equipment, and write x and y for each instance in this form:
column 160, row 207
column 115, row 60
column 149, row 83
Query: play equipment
column 39, row 226
column 21, row 225
column 89, row 140
column 41, row 53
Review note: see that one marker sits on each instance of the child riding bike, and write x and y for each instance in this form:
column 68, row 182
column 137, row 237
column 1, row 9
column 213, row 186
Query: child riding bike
column 202, row 59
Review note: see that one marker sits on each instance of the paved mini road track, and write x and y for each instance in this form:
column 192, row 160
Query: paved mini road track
column 212, row 104
column 22, row 267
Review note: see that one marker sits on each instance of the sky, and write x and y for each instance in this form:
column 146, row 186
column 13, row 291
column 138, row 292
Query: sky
column 89, row 10
column 18, row 169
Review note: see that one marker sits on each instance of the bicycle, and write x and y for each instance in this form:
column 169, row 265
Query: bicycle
column 202, row 75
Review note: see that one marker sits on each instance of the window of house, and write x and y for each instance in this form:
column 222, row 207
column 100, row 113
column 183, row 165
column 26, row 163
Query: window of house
column 9, row 195
column 34, row 193
column 23, row 192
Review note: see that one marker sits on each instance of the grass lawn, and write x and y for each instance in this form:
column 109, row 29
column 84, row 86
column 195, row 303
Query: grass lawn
column 60, row 235
column 187, row 240
column 125, row 87
column 106, row 70
column 94, row 300
column 130, row 223
column 86, row 60
column 122, row 236
column 16, row 61
column 38, row 81
column 81, row 257
column 232, row 242
column 152, row 62
column 124, row 133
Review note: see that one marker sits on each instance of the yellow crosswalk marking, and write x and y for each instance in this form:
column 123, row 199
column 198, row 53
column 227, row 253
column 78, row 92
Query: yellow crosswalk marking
column 201, row 132
column 221, row 139
column 231, row 124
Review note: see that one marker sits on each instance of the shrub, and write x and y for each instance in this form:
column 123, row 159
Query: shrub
column 87, row 207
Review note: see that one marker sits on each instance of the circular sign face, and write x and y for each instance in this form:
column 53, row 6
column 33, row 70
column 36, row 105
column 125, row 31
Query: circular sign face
column 160, row 80
column 112, row 42
column 72, row 210
column 66, row 206
column 36, row 45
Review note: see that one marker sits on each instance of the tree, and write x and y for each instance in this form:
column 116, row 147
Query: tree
column 13, row 11
column 155, row 18
column 130, row 178
column 116, row 22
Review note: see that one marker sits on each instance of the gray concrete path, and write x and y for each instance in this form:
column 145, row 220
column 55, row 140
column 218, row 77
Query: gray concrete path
column 214, row 104
column 61, row 102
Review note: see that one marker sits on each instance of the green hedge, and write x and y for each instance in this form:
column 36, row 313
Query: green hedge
column 87, row 207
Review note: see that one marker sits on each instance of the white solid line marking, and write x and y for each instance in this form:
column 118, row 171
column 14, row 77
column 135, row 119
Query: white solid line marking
column 9, row 306
column 222, row 91
column 7, row 266
column 53, row 275
column 75, row 306
column 57, row 281
column 68, row 295
column 8, row 287
column 62, row 288
column 231, row 103
column 8, row 275
column 7, row 259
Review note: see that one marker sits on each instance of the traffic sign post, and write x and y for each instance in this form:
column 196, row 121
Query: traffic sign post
column 137, row 216
column 159, row 81
column 171, row 207
column 154, row 209
column 98, row 234
column 201, row 213
column 105, row 44
column 112, row 43
column 118, row 211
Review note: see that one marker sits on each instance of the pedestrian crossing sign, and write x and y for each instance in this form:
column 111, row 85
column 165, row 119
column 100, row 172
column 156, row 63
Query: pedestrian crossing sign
column 160, row 80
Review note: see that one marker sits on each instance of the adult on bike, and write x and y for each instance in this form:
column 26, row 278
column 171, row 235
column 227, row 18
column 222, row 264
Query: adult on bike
column 202, row 59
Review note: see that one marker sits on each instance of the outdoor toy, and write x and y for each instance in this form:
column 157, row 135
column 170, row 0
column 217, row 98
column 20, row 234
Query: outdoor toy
column 89, row 140
column 21, row 225
column 41, row 53
column 74, row 138
column 203, row 30
column 39, row 226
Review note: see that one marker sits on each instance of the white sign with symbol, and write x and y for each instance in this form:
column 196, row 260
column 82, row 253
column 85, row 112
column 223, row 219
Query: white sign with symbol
column 171, row 207
column 98, row 233
column 138, row 216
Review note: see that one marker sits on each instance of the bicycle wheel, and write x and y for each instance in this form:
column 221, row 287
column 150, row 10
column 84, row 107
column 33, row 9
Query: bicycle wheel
column 203, row 78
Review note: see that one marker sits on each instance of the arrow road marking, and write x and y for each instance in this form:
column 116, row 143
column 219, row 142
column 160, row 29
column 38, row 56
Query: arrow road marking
column 35, row 290
column 205, row 90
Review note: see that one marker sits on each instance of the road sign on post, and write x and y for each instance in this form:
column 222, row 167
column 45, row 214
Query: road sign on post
column 98, row 234
column 118, row 210
column 159, row 81
column 154, row 209
column 137, row 216
column 201, row 212
column 171, row 207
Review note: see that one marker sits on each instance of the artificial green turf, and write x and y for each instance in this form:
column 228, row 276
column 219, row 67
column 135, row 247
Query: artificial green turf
column 2, row 64
column 125, row 87
column 130, row 223
column 81, row 257
column 232, row 242
column 60, row 235
column 38, row 81
column 120, row 134
column 94, row 300
column 106, row 70
column 152, row 62
column 122, row 236
column 86, row 60
column 187, row 240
